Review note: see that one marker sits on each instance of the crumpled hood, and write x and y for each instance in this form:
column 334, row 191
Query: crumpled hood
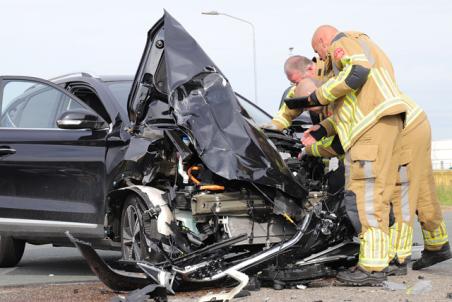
column 205, row 106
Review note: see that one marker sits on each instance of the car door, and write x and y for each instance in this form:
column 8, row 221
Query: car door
column 51, row 179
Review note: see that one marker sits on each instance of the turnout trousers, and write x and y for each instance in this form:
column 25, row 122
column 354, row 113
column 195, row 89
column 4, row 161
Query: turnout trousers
column 368, row 165
column 415, row 193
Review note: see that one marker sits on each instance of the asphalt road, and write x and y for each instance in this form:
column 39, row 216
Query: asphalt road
column 47, row 264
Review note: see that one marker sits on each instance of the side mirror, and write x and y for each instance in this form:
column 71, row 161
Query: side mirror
column 81, row 119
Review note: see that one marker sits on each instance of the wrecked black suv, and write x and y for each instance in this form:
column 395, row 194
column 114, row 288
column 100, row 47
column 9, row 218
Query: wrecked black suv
column 181, row 176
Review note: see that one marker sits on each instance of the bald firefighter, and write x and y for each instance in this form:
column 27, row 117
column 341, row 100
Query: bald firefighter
column 367, row 116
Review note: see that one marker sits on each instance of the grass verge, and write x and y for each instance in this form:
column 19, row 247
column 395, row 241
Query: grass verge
column 444, row 194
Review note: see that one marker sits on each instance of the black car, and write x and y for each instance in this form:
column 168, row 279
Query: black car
column 63, row 150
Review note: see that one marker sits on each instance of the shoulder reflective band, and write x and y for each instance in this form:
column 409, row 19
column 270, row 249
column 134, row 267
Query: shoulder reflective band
column 300, row 103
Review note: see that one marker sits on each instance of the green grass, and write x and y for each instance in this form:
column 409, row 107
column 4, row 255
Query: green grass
column 444, row 194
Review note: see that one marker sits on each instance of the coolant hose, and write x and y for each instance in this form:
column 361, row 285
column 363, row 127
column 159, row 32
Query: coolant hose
column 209, row 187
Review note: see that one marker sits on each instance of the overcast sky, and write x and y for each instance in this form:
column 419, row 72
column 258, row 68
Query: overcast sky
column 46, row 38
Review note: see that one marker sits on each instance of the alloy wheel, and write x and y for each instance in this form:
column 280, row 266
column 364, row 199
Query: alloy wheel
column 131, row 234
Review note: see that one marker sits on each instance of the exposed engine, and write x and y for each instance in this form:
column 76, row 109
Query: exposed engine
column 207, row 208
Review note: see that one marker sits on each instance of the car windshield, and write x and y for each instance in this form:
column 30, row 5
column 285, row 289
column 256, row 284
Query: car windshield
column 259, row 116
column 120, row 91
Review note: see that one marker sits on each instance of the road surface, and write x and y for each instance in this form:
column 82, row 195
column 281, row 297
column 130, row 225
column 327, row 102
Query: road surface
column 46, row 264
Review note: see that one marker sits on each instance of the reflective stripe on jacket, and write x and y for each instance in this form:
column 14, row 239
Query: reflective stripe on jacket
column 362, row 90
column 414, row 116
column 285, row 116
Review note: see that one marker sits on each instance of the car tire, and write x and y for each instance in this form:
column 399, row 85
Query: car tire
column 133, row 242
column 11, row 251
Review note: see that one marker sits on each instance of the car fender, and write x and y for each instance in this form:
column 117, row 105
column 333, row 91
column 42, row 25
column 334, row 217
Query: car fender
column 153, row 201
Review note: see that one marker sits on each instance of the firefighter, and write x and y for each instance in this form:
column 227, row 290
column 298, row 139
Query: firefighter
column 367, row 116
column 415, row 192
column 300, row 71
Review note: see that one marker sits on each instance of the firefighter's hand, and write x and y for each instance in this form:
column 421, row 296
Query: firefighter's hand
column 308, row 139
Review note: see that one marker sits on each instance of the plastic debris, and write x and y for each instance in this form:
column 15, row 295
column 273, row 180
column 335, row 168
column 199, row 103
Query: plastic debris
column 421, row 287
column 392, row 286
column 301, row 286
column 153, row 291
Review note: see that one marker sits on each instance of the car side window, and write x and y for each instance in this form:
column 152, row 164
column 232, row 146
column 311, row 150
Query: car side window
column 28, row 104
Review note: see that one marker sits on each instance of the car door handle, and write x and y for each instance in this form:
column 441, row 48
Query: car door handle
column 4, row 150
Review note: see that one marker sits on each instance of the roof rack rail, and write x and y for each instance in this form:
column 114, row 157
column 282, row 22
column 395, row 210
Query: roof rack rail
column 73, row 74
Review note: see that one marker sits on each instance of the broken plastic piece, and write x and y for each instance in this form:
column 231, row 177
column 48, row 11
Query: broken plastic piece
column 421, row 287
column 301, row 286
column 157, row 292
column 223, row 296
column 392, row 286
column 114, row 279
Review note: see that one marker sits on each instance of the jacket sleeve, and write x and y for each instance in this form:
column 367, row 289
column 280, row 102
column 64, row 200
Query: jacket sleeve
column 326, row 147
column 322, row 148
column 353, row 66
column 285, row 116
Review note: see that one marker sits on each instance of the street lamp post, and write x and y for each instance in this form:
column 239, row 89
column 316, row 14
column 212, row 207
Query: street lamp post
column 215, row 13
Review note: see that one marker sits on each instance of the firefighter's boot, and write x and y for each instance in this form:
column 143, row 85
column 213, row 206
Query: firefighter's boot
column 397, row 269
column 430, row 258
column 358, row 276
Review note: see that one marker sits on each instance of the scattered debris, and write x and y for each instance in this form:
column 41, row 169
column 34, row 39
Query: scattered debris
column 449, row 296
column 253, row 284
column 420, row 277
column 392, row 286
column 301, row 286
column 228, row 296
column 421, row 287
column 157, row 292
